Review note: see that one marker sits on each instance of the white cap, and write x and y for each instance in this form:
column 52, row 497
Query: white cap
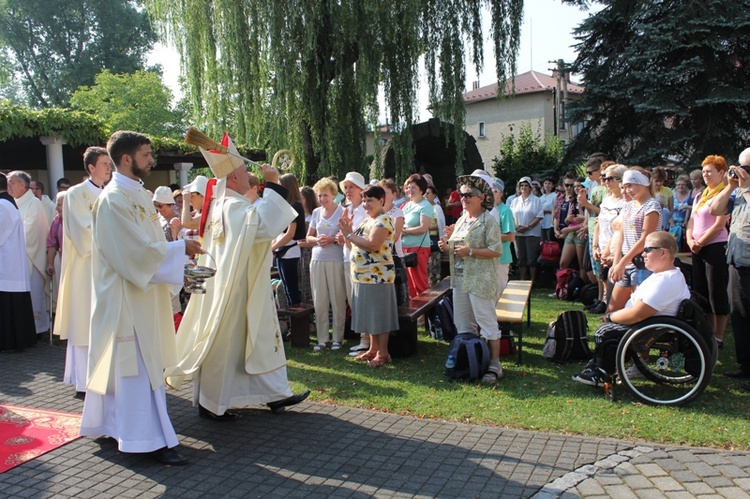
column 198, row 185
column 635, row 177
column 163, row 195
column 525, row 179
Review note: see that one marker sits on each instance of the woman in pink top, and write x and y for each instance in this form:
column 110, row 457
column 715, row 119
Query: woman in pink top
column 707, row 238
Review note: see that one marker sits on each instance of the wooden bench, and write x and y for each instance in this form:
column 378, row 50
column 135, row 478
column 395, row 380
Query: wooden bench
column 411, row 311
column 300, row 322
column 515, row 299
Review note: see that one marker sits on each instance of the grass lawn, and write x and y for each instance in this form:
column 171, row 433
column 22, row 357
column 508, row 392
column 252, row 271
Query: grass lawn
column 539, row 395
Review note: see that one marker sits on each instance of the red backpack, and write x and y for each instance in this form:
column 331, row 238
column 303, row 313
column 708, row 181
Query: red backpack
column 549, row 252
column 564, row 276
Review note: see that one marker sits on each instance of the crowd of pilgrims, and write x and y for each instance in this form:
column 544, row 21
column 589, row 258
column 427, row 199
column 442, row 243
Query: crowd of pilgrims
column 347, row 250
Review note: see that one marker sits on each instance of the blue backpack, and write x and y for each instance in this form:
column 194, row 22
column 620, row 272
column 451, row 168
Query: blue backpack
column 471, row 357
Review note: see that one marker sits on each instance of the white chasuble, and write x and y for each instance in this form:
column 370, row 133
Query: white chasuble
column 36, row 227
column 73, row 317
column 128, row 251
column 231, row 334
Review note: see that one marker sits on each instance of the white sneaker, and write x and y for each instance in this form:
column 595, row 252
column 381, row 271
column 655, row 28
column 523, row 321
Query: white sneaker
column 633, row 372
column 318, row 348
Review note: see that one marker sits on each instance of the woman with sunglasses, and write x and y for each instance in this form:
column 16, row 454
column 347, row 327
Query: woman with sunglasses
column 707, row 236
column 528, row 212
column 567, row 222
column 604, row 231
column 640, row 217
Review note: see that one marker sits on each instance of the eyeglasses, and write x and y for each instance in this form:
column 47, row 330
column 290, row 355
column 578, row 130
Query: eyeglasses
column 568, row 185
column 591, row 172
column 467, row 195
column 649, row 249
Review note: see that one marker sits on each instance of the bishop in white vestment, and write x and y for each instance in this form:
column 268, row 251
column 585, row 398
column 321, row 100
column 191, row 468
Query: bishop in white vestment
column 132, row 336
column 229, row 340
column 73, row 316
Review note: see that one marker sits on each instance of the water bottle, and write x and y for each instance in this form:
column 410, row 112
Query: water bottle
column 450, row 363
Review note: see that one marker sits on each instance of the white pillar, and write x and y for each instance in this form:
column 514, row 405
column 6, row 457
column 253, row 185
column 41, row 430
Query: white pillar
column 183, row 169
column 55, row 166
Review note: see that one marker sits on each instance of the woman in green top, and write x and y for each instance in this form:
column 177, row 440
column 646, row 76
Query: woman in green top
column 475, row 244
column 416, row 237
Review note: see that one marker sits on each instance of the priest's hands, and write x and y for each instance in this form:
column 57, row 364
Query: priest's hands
column 193, row 247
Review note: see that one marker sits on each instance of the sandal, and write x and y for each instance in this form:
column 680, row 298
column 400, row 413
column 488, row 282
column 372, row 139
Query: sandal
column 379, row 361
column 492, row 376
column 366, row 356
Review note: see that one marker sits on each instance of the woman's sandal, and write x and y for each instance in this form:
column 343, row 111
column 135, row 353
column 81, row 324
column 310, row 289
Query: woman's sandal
column 379, row 361
column 366, row 356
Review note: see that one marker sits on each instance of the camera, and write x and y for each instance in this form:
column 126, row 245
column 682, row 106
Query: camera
column 733, row 174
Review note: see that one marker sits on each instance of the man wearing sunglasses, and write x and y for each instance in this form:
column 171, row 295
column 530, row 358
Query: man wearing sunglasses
column 660, row 294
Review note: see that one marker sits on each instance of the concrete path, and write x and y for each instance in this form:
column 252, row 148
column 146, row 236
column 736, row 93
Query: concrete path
column 316, row 450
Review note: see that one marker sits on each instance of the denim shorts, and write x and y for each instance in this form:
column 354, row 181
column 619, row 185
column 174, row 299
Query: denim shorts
column 633, row 277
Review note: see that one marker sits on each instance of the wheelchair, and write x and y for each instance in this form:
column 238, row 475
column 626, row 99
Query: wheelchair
column 675, row 356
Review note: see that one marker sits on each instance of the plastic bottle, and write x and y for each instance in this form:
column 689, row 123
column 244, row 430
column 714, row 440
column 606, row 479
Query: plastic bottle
column 450, row 363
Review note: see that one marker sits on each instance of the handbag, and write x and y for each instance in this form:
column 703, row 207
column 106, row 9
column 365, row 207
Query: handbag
column 410, row 260
column 639, row 263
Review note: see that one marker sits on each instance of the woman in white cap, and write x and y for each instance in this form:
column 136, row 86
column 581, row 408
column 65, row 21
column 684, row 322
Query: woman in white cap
column 640, row 217
column 475, row 245
column 192, row 197
column 528, row 212
column 168, row 216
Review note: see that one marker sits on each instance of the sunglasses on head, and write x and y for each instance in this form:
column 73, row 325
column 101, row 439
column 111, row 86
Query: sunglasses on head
column 467, row 195
column 649, row 249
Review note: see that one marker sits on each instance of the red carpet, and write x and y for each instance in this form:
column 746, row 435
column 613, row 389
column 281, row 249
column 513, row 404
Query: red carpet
column 28, row 433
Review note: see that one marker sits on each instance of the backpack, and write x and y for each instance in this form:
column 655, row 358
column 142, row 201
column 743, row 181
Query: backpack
column 549, row 252
column 575, row 286
column 588, row 294
column 471, row 357
column 563, row 276
column 442, row 326
column 566, row 338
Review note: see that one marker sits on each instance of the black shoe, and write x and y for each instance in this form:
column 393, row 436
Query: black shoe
column 279, row 405
column 165, row 455
column 600, row 308
column 592, row 377
column 227, row 416
column 739, row 373
column 80, row 396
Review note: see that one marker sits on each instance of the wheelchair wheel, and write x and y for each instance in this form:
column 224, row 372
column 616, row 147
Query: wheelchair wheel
column 674, row 361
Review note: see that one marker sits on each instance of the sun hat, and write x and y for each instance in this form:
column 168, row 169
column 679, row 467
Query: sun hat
column 198, row 185
column 355, row 178
column 635, row 177
column 481, row 183
column 498, row 184
column 163, row 195
column 525, row 179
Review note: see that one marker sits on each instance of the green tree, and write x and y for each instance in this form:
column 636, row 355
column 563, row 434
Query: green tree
column 305, row 74
column 54, row 46
column 528, row 154
column 137, row 101
column 663, row 79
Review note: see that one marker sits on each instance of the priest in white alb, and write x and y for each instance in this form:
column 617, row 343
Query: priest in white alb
column 229, row 341
column 17, row 330
column 73, row 316
column 35, row 227
column 132, row 336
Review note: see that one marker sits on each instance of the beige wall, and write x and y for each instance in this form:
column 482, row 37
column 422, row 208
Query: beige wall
column 498, row 115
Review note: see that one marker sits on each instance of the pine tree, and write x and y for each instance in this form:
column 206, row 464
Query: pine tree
column 664, row 80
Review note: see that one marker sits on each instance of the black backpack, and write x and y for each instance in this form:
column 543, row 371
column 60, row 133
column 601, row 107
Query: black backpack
column 442, row 326
column 471, row 357
column 575, row 286
column 566, row 338
column 589, row 293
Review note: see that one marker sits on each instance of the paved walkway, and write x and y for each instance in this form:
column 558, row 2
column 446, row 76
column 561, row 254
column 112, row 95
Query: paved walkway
column 317, row 450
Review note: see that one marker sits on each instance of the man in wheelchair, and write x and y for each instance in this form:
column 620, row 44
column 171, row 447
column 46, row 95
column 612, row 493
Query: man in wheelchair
column 660, row 294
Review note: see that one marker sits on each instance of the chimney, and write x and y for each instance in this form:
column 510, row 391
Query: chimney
column 475, row 85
